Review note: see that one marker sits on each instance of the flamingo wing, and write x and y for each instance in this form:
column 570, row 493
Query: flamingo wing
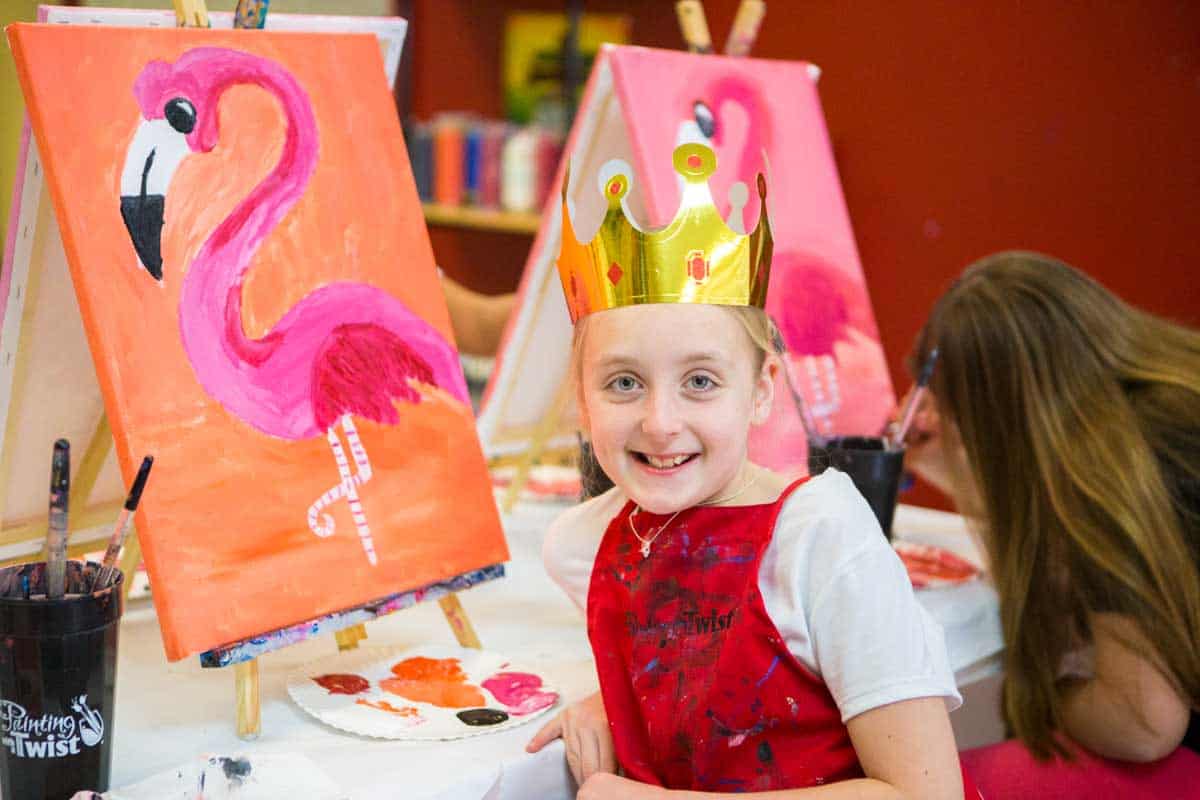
column 362, row 369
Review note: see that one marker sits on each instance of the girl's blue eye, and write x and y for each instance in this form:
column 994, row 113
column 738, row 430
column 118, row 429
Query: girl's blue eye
column 624, row 383
column 701, row 383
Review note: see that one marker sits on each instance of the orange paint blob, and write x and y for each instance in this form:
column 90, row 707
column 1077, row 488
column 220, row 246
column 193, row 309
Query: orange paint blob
column 384, row 705
column 437, row 681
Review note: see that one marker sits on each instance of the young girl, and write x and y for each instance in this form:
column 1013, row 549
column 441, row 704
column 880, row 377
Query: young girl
column 750, row 634
column 1068, row 424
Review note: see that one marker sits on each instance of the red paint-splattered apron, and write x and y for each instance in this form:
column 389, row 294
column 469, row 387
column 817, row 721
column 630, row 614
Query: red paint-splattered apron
column 699, row 686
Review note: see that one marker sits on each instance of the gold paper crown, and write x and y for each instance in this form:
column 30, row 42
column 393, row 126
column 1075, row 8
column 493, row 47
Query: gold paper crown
column 696, row 258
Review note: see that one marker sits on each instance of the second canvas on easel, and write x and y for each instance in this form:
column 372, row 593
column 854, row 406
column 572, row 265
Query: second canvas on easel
column 259, row 294
column 759, row 116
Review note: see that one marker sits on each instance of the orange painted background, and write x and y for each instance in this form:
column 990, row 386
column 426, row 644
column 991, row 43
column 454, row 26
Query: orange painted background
column 223, row 520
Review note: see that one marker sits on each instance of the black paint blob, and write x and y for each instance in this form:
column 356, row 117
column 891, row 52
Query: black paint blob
column 478, row 717
column 236, row 769
column 764, row 752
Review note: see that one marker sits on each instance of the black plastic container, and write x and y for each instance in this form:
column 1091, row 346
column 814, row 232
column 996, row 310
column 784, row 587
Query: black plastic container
column 58, row 668
column 874, row 469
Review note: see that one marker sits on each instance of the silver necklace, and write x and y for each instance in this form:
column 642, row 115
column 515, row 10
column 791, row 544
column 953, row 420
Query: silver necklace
column 646, row 541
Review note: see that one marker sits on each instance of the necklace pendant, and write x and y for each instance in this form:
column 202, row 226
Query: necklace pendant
column 645, row 548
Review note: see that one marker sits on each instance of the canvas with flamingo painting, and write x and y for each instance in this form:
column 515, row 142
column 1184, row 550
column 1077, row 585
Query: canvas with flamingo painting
column 759, row 116
column 259, row 294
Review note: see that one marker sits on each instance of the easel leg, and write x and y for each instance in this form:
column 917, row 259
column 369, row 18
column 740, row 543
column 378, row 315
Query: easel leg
column 542, row 434
column 456, row 615
column 249, row 714
column 348, row 638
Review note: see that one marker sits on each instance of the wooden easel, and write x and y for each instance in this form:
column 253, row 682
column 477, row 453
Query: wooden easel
column 100, row 513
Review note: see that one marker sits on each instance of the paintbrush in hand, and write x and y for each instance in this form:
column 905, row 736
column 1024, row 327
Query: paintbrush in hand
column 109, row 564
column 895, row 438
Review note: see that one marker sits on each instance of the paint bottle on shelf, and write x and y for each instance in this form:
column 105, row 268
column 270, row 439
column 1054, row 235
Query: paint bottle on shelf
column 518, row 171
column 448, row 160
column 491, row 149
column 472, row 155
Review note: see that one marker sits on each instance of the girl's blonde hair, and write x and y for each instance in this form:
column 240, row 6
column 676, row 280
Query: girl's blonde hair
column 1080, row 418
column 758, row 326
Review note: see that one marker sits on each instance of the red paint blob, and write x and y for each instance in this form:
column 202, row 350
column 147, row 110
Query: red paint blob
column 694, row 162
column 339, row 683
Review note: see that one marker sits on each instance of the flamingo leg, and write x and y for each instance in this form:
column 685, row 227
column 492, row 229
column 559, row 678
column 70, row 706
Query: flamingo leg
column 325, row 526
column 351, row 483
column 823, row 383
column 322, row 524
column 362, row 464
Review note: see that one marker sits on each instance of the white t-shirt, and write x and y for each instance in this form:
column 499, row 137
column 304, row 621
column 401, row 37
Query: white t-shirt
column 830, row 582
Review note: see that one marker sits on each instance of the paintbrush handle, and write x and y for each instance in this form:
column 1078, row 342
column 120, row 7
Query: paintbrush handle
column 56, row 534
column 910, row 411
column 109, row 563
column 745, row 27
column 694, row 25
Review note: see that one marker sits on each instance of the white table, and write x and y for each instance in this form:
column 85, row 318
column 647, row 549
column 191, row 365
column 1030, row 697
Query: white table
column 167, row 714
column 970, row 616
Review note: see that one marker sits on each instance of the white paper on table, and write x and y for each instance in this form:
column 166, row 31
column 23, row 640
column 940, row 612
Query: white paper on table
column 273, row 776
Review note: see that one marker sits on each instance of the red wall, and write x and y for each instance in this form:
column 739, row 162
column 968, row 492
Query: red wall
column 959, row 129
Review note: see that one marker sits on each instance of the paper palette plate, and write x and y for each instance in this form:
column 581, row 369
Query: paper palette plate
column 427, row 693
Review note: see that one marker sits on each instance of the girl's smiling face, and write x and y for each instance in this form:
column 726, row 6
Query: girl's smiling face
column 668, row 393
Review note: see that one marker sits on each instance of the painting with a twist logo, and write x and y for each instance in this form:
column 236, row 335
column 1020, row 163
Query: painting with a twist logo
column 50, row 735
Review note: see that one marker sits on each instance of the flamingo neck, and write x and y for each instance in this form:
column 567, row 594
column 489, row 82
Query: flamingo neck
column 211, row 301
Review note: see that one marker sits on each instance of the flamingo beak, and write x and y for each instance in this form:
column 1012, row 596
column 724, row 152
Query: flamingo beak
column 150, row 162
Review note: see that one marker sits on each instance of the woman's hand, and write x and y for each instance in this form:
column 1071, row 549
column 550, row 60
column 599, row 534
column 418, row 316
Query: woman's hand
column 606, row 786
column 584, row 730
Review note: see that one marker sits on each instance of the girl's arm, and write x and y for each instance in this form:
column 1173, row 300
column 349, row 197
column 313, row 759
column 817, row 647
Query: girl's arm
column 906, row 749
column 1129, row 710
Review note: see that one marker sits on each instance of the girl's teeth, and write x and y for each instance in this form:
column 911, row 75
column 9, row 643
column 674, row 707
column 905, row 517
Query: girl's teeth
column 666, row 463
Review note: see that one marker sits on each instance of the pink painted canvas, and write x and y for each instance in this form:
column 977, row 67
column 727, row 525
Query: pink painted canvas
column 758, row 116
column 765, row 116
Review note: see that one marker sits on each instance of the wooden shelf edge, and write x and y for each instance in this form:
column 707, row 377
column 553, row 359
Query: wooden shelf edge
column 481, row 218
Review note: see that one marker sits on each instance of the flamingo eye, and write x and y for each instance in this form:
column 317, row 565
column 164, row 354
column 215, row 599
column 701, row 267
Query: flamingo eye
column 704, row 118
column 180, row 114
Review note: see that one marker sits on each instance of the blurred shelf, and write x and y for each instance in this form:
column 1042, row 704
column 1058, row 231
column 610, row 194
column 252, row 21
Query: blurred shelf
column 481, row 218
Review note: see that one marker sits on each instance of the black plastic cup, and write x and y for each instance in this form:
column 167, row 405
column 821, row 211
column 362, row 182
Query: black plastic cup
column 58, row 668
column 874, row 469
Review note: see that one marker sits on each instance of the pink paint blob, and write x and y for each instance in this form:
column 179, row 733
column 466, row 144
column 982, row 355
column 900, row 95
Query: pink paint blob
column 519, row 692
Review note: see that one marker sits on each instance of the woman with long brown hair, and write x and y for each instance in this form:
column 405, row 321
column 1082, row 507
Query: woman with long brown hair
column 1065, row 424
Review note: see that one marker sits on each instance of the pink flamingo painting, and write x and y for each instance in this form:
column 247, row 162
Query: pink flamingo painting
column 731, row 116
column 344, row 350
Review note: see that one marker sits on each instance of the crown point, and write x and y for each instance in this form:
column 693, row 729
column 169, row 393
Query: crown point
column 694, row 161
column 615, row 189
